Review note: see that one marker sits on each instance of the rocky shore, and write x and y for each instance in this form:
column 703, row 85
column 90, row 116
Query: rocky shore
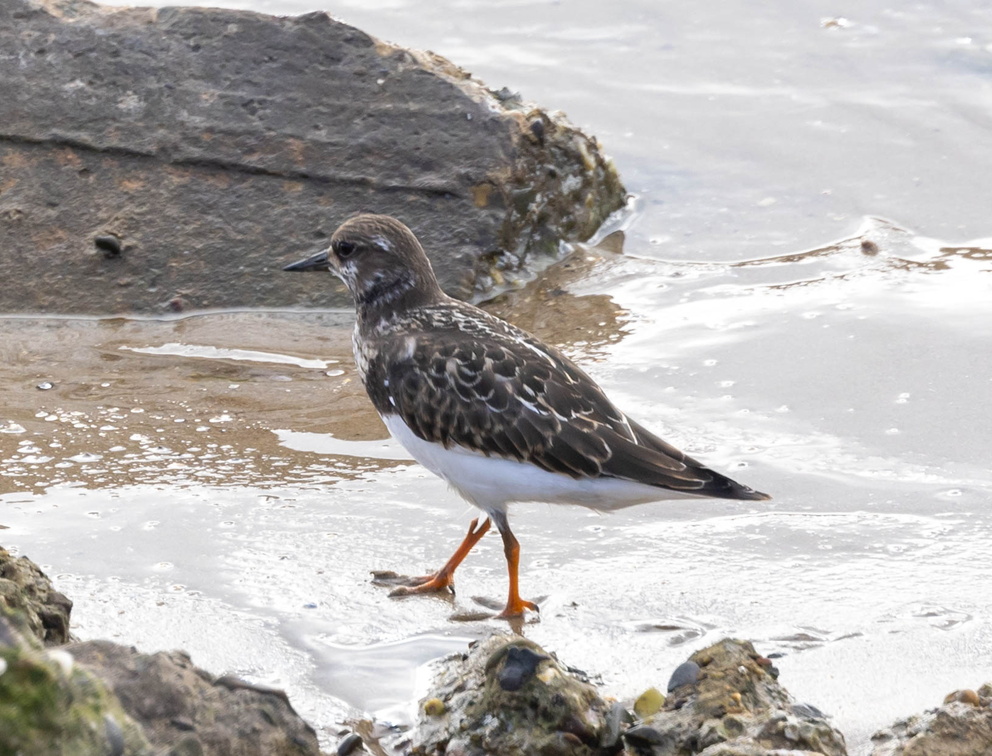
column 504, row 696
column 160, row 161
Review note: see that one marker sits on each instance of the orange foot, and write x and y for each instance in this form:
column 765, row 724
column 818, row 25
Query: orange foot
column 516, row 607
column 411, row 586
column 441, row 581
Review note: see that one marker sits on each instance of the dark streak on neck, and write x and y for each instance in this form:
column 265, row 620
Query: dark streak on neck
column 382, row 292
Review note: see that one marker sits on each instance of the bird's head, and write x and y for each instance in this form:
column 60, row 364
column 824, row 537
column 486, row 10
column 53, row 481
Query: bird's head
column 380, row 261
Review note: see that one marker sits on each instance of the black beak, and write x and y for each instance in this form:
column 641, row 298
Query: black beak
column 319, row 261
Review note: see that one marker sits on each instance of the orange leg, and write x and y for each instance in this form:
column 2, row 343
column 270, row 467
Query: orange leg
column 515, row 605
column 444, row 578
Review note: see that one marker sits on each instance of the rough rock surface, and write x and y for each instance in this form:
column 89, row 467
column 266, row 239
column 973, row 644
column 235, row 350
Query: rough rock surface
column 508, row 697
column 961, row 727
column 26, row 591
column 167, row 159
column 49, row 705
column 189, row 711
column 726, row 701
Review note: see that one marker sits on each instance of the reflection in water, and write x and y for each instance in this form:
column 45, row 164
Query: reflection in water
column 554, row 306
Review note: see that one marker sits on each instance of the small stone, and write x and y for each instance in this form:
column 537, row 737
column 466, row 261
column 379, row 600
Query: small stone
column 537, row 129
column 46, row 386
column 349, row 745
column 767, row 666
column 109, row 244
column 732, row 727
column 616, row 717
column 807, row 711
column 547, row 674
column 115, row 736
column 644, row 735
column 63, row 659
column 434, row 707
column 963, row 696
column 520, row 665
column 648, row 703
column 686, row 673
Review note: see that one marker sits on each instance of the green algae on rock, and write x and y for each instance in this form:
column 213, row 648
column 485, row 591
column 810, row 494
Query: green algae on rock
column 508, row 697
column 50, row 705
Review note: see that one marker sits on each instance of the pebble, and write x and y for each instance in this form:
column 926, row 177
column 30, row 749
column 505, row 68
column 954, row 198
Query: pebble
column 644, row 735
column 115, row 736
column 869, row 247
column 109, row 244
column 434, row 707
column 963, row 696
column 349, row 745
column 687, row 673
column 807, row 711
column 616, row 718
column 648, row 703
column 520, row 665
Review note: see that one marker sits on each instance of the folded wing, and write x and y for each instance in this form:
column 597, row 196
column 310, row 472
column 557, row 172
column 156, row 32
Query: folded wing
column 502, row 393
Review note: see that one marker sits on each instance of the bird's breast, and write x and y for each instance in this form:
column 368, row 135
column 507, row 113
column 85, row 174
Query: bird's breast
column 365, row 351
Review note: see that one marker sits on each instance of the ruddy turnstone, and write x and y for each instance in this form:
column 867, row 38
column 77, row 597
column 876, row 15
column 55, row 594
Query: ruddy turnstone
column 498, row 414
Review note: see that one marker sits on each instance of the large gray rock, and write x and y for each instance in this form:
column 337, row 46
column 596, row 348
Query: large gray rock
column 169, row 159
column 186, row 710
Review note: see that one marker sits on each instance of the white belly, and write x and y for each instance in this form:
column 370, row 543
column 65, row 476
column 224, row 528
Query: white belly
column 491, row 483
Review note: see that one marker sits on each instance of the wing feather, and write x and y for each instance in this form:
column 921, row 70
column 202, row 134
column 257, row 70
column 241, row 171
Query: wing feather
column 481, row 388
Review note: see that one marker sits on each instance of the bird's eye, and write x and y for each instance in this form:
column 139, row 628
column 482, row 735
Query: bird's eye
column 345, row 249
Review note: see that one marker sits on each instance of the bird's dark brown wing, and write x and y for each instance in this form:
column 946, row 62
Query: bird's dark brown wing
column 491, row 388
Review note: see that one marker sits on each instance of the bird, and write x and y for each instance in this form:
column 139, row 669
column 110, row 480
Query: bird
column 501, row 416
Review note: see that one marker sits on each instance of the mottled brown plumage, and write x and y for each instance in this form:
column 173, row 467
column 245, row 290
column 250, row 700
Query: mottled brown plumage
column 459, row 387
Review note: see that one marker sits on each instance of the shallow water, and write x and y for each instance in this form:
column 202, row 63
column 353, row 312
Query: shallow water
column 226, row 469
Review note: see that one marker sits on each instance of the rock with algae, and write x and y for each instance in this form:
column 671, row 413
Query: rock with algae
column 175, row 158
column 186, row 710
column 962, row 726
column 726, row 701
column 27, row 591
column 50, row 705
column 508, row 697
